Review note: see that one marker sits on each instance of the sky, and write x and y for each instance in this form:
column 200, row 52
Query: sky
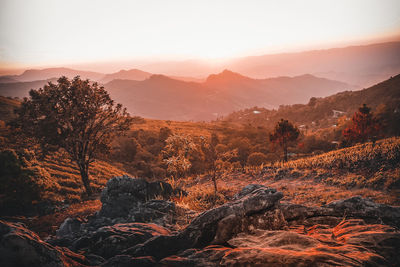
column 55, row 32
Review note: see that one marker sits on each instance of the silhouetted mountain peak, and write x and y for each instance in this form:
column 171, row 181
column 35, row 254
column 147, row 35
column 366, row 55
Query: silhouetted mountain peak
column 160, row 78
column 226, row 76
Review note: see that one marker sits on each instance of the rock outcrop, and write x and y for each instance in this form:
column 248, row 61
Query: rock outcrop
column 133, row 200
column 255, row 229
column 206, row 228
column 21, row 247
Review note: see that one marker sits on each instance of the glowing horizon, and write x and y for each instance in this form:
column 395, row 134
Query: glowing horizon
column 55, row 33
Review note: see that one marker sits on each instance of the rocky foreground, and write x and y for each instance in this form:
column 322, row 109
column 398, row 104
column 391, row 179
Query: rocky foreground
column 135, row 227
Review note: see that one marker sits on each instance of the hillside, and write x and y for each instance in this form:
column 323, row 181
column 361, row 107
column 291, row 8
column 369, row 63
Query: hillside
column 161, row 97
column 21, row 89
column 385, row 95
column 7, row 107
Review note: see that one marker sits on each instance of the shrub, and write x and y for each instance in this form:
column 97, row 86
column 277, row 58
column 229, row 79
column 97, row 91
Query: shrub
column 23, row 181
column 256, row 159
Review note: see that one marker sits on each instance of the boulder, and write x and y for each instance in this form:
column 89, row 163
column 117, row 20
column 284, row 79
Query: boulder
column 334, row 212
column 358, row 207
column 133, row 200
column 204, row 229
column 22, row 247
column 108, row 241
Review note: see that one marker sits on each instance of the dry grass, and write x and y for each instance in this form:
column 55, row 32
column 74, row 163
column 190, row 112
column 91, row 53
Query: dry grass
column 367, row 157
column 180, row 127
column 300, row 191
column 66, row 174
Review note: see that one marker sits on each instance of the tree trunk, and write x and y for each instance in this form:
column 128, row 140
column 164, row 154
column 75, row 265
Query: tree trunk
column 84, row 170
column 285, row 157
column 215, row 183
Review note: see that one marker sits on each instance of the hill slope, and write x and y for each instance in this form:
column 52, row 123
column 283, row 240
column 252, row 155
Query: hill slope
column 161, row 97
column 7, row 107
column 21, row 89
column 385, row 94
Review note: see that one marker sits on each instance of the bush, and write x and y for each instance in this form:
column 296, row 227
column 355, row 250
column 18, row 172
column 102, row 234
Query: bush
column 256, row 159
column 23, row 181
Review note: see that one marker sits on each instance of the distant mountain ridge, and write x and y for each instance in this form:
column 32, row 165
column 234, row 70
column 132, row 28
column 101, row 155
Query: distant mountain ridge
column 363, row 65
column 162, row 97
column 49, row 73
column 360, row 65
column 132, row 74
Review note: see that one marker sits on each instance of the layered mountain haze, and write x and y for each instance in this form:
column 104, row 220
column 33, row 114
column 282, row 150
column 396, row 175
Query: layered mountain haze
column 21, row 89
column 359, row 65
column 363, row 65
column 164, row 98
column 186, row 91
column 44, row 74
column 133, row 74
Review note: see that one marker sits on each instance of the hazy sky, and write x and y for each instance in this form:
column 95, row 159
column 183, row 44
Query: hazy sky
column 46, row 32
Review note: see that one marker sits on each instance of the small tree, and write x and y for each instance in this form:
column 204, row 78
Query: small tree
column 283, row 134
column 75, row 115
column 211, row 156
column 363, row 126
column 215, row 157
column 176, row 154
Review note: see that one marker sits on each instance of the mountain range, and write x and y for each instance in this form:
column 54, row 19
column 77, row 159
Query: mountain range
column 184, row 95
column 362, row 66
column 163, row 97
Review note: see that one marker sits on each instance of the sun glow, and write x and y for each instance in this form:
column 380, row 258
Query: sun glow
column 64, row 32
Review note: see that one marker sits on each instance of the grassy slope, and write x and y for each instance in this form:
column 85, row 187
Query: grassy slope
column 67, row 175
column 372, row 171
column 373, row 165
column 7, row 107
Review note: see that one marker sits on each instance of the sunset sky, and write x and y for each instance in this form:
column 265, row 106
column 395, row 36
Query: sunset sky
column 54, row 32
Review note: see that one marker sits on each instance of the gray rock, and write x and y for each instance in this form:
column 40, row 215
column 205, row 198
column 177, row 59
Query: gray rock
column 204, row 228
column 358, row 207
column 21, row 247
column 247, row 190
column 69, row 227
column 109, row 241
column 124, row 197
